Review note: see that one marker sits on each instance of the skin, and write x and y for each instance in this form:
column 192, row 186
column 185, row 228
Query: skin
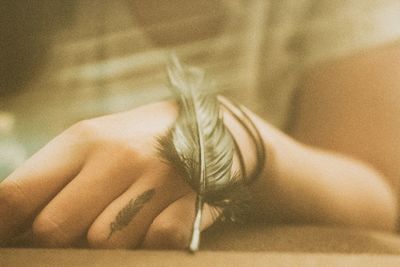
column 338, row 165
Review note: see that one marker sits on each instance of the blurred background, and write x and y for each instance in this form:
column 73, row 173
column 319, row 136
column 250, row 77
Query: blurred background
column 64, row 61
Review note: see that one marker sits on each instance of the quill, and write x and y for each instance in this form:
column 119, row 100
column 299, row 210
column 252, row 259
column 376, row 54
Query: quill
column 201, row 148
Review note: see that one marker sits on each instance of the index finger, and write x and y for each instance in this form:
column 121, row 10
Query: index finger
column 37, row 181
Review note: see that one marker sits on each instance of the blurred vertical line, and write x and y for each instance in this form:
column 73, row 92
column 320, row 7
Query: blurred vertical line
column 253, row 42
column 100, row 54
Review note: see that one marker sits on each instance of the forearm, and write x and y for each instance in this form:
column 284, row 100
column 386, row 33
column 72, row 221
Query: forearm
column 303, row 184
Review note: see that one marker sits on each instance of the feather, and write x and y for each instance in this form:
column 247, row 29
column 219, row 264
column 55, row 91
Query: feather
column 201, row 148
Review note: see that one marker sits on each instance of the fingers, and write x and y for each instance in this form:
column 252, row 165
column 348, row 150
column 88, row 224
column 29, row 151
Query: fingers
column 32, row 185
column 172, row 229
column 125, row 221
column 68, row 216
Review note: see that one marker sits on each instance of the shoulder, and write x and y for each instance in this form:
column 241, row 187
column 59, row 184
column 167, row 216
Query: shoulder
column 351, row 105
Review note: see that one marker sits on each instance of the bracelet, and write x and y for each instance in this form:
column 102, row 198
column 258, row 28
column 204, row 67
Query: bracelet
column 238, row 112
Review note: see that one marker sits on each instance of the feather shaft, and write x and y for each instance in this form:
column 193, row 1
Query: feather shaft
column 200, row 147
column 195, row 239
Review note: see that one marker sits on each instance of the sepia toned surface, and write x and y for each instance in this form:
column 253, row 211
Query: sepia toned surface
column 236, row 246
column 110, row 258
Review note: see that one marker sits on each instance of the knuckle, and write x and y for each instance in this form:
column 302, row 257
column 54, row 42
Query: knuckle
column 48, row 233
column 93, row 133
column 166, row 234
column 85, row 129
column 121, row 150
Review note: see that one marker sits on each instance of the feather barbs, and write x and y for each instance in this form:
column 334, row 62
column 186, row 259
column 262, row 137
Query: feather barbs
column 200, row 147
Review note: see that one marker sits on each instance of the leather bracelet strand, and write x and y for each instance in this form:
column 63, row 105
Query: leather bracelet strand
column 238, row 112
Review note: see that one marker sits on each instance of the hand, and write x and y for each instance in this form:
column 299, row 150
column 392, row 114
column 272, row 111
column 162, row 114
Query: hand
column 103, row 184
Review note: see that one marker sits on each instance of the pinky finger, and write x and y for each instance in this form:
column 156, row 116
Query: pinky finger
column 172, row 228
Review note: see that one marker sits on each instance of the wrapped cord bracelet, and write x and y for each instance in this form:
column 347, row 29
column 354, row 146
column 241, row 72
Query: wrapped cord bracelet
column 238, row 112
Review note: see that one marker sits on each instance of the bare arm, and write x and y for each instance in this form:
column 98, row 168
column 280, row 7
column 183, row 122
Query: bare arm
column 305, row 184
column 346, row 168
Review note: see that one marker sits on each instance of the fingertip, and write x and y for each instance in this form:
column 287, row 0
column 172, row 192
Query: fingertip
column 172, row 229
column 48, row 233
column 165, row 233
column 97, row 238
